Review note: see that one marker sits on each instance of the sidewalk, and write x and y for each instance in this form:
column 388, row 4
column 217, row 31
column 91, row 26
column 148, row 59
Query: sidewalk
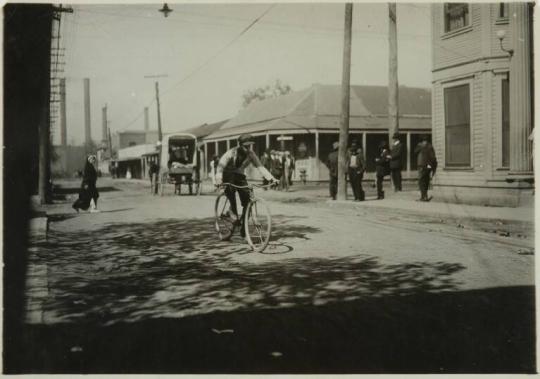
column 402, row 201
column 406, row 201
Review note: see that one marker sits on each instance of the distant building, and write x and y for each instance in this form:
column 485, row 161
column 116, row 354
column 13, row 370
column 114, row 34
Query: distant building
column 482, row 101
column 129, row 138
column 137, row 158
column 309, row 120
column 201, row 132
column 132, row 161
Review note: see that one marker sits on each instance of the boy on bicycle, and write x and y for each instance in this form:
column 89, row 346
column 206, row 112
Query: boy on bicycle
column 230, row 169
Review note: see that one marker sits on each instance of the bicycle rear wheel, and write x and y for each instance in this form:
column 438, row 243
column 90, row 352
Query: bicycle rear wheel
column 258, row 225
column 224, row 222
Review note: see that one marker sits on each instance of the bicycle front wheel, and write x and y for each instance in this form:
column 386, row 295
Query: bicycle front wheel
column 258, row 225
column 224, row 222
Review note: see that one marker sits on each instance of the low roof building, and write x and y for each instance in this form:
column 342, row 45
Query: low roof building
column 307, row 122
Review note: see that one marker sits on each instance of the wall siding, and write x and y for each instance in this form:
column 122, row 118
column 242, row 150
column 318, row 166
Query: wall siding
column 450, row 57
column 496, row 25
column 458, row 48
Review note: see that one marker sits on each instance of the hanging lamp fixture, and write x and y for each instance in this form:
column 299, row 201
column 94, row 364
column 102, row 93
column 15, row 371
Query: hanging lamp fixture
column 165, row 10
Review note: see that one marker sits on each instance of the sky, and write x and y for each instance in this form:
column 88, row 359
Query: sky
column 207, row 62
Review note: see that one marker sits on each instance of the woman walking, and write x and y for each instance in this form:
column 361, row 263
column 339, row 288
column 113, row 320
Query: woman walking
column 88, row 195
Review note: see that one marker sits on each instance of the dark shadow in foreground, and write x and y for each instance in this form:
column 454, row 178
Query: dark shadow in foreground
column 167, row 297
column 482, row 331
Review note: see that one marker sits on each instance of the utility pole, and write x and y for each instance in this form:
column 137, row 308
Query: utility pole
column 104, row 134
column 146, row 120
column 160, row 135
column 393, row 88
column 345, row 105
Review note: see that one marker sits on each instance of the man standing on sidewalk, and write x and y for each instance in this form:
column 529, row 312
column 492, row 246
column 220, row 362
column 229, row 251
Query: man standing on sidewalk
column 396, row 153
column 332, row 164
column 355, row 164
column 427, row 166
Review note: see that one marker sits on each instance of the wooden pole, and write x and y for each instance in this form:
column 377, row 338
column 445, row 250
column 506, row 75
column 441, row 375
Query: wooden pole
column 345, row 103
column 160, row 136
column 104, row 130
column 393, row 89
column 146, row 120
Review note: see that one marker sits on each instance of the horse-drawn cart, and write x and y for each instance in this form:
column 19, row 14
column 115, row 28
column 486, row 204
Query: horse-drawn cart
column 180, row 163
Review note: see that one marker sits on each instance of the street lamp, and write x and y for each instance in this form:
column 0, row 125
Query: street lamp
column 500, row 35
column 165, row 10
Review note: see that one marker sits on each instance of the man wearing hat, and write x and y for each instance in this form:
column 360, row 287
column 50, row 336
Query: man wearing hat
column 231, row 169
column 332, row 163
column 427, row 165
column 355, row 170
column 396, row 154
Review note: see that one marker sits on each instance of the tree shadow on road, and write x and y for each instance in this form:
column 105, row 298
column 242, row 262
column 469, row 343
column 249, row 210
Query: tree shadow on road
column 176, row 268
column 153, row 298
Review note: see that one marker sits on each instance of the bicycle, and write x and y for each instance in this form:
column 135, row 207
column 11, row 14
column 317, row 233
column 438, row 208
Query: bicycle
column 257, row 218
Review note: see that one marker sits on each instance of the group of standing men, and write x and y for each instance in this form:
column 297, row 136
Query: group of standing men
column 387, row 162
column 281, row 165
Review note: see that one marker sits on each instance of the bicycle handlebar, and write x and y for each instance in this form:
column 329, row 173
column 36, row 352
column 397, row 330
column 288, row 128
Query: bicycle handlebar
column 249, row 186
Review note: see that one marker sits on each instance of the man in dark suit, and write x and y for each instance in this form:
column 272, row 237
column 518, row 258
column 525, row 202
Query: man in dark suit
column 427, row 165
column 382, row 167
column 396, row 154
column 355, row 170
column 332, row 163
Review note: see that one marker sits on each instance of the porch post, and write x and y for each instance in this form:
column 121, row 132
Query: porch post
column 409, row 149
column 364, row 139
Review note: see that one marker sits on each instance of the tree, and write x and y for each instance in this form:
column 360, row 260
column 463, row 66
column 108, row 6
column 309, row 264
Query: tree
column 266, row 92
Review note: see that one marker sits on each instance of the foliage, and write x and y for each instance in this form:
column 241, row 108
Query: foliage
column 265, row 92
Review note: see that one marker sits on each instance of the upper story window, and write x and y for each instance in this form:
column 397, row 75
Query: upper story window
column 503, row 10
column 456, row 16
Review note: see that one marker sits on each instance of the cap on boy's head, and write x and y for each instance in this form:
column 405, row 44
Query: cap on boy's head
column 335, row 145
column 395, row 136
column 246, row 139
column 424, row 137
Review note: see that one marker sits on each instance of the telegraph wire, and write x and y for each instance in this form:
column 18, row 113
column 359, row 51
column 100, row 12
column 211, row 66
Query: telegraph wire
column 206, row 62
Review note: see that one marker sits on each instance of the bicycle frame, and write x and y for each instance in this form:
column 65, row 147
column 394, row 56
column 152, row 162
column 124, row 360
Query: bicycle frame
column 253, row 201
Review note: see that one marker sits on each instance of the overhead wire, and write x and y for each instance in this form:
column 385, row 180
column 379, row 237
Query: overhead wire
column 204, row 64
column 230, row 43
column 264, row 24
